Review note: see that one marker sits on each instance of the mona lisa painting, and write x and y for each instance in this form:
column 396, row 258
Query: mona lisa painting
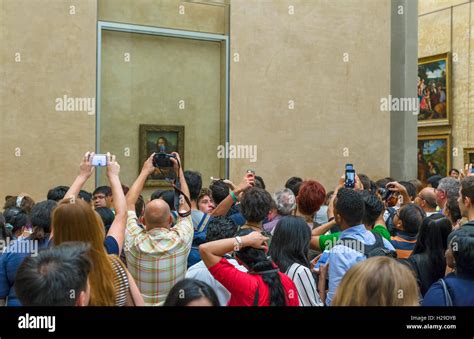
column 159, row 138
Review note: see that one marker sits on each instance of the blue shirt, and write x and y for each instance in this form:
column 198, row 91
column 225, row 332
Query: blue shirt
column 342, row 258
column 18, row 251
column 10, row 260
column 460, row 289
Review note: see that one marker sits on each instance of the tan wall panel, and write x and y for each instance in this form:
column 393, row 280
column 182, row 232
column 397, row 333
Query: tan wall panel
column 460, row 81
column 434, row 37
column 470, row 116
column 200, row 17
column 147, row 90
column 57, row 58
column 427, row 6
column 434, row 33
column 300, row 58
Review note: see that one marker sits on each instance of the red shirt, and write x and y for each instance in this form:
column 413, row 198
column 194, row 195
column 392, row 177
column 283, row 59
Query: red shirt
column 243, row 286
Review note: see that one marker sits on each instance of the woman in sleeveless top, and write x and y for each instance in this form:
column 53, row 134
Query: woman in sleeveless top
column 75, row 220
column 111, row 283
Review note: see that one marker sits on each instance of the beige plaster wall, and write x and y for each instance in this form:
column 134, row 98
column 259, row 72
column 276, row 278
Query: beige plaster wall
column 202, row 16
column 445, row 26
column 336, row 116
column 299, row 57
column 39, row 146
column 148, row 90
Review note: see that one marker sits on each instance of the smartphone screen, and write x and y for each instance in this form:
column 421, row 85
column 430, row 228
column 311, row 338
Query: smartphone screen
column 99, row 160
column 323, row 260
column 350, row 178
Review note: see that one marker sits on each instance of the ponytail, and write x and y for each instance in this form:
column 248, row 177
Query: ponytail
column 272, row 279
column 259, row 263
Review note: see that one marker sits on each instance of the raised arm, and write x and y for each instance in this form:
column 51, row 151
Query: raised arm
column 85, row 172
column 226, row 204
column 137, row 186
column 395, row 186
column 212, row 252
column 183, row 205
column 117, row 229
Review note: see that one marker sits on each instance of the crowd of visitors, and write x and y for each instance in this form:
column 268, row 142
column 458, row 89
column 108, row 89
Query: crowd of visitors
column 379, row 243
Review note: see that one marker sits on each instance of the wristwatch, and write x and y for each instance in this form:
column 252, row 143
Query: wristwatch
column 237, row 243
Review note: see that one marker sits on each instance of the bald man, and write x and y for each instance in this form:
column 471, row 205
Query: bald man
column 157, row 255
column 426, row 199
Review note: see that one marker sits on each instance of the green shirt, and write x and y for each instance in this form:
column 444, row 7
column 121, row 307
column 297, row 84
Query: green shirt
column 331, row 239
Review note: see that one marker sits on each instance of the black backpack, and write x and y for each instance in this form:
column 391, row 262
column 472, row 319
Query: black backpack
column 376, row 250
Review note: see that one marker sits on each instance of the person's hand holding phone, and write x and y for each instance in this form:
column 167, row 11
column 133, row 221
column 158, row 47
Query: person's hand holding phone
column 395, row 186
column 86, row 168
column 247, row 182
column 113, row 168
column 358, row 184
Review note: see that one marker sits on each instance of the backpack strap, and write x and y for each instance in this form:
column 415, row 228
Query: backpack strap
column 378, row 243
column 354, row 244
column 447, row 296
column 360, row 247
column 203, row 223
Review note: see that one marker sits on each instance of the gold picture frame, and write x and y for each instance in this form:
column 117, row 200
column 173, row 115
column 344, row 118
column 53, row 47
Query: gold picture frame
column 152, row 138
column 468, row 155
column 434, row 90
column 434, row 155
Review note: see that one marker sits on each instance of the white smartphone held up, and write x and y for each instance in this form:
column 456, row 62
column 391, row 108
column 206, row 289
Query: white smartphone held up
column 99, row 160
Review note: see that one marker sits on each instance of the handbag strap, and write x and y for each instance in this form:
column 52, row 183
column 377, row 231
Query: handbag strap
column 447, row 296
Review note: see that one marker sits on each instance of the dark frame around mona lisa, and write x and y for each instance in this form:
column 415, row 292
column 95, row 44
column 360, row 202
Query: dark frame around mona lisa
column 153, row 138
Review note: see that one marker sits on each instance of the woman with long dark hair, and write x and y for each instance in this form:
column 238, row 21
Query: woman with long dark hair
column 457, row 288
column 191, row 292
column 427, row 259
column 289, row 250
column 262, row 285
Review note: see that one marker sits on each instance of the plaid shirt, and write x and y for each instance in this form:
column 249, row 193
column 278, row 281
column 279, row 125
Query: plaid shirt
column 157, row 258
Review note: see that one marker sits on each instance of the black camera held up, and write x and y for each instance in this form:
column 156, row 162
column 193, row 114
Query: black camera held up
column 163, row 160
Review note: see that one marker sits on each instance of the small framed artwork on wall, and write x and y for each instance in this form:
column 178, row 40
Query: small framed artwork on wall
column 160, row 138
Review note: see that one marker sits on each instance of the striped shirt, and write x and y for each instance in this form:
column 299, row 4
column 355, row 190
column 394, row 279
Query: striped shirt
column 305, row 285
column 120, row 282
column 157, row 259
column 404, row 244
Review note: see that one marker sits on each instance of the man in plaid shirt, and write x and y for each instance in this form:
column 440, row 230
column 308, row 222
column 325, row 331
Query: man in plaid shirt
column 157, row 255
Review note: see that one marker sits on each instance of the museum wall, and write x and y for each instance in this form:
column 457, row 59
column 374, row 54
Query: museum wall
column 336, row 116
column 41, row 147
column 305, row 87
column 445, row 26
column 168, row 81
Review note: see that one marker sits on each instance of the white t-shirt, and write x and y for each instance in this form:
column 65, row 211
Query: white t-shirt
column 305, row 285
column 200, row 272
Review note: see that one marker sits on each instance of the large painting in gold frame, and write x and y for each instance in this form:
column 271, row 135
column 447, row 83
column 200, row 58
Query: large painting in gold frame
column 434, row 90
column 434, row 155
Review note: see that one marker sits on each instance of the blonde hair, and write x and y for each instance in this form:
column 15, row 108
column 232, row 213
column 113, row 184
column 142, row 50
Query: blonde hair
column 76, row 221
column 377, row 281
